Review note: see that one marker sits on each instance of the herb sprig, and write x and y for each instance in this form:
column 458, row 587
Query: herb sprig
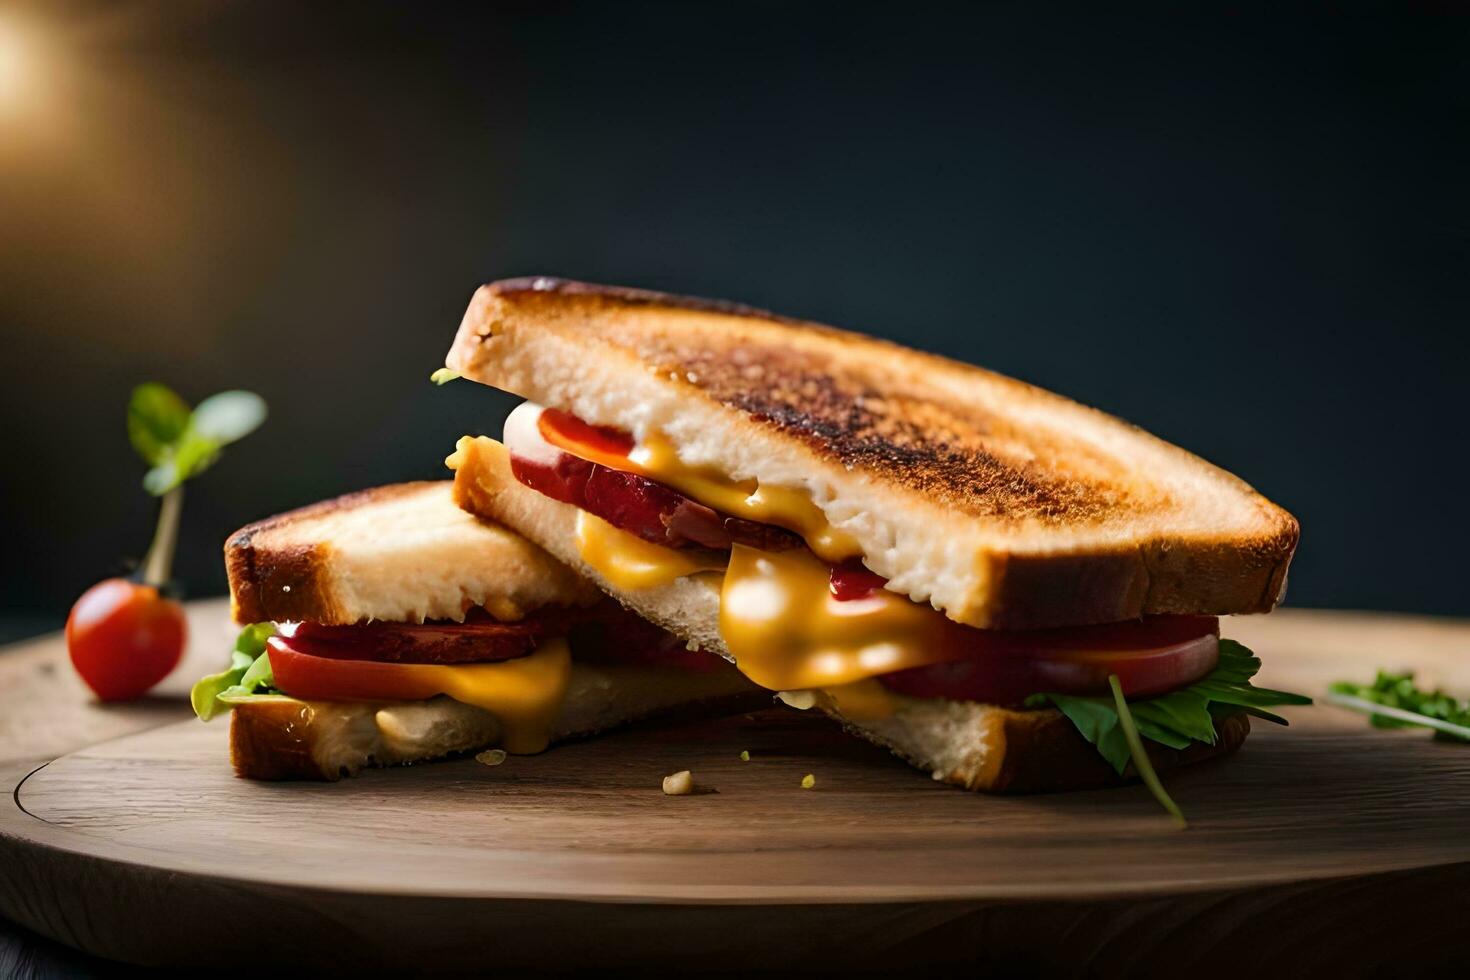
column 1393, row 701
column 178, row 443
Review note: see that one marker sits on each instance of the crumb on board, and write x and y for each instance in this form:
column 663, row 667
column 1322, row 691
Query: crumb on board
column 744, row 755
column 808, row 781
column 679, row 784
column 491, row 757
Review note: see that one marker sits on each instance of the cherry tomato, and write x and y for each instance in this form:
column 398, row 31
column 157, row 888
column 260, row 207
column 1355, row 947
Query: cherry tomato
column 124, row 638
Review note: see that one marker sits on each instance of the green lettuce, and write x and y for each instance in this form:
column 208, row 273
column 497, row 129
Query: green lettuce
column 249, row 674
column 1176, row 719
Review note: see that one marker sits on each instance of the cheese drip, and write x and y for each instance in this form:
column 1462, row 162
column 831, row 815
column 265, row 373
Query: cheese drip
column 627, row 561
column 778, row 617
column 525, row 694
column 787, row 631
column 656, row 459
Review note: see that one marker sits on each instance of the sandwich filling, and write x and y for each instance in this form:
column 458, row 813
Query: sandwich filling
column 799, row 609
column 518, row 672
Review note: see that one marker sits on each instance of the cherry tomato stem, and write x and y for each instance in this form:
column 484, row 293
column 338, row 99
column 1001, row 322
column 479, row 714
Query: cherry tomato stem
column 159, row 561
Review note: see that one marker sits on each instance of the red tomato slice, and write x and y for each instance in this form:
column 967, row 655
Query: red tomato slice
column 852, row 580
column 312, row 678
column 561, row 428
column 1150, row 658
column 566, row 481
column 429, row 643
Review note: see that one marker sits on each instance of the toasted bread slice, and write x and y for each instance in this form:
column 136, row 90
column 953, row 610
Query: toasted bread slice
column 977, row 746
column 400, row 553
column 1001, row 504
column 325, row 740
column 406, row 553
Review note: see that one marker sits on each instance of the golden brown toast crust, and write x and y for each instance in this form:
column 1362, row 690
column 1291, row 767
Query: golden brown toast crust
column 869, row 403
column 1042, row 752
column 288, row 740
column 271, row 740
column 286, row 582
column 363, row 555
column 1076, row 516
column 1038, row 751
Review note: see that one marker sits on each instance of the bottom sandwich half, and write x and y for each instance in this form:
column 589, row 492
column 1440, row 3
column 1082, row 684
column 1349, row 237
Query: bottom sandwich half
column 390, row 627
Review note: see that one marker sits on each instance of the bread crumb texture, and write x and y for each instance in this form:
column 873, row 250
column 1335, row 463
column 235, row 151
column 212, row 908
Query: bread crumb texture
column 679, row 784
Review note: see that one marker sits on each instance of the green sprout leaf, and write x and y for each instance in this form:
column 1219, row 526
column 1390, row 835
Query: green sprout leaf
column 228, row 416
column 157, row 418
column 443, row 376
column 192, row 455
column 179, row 444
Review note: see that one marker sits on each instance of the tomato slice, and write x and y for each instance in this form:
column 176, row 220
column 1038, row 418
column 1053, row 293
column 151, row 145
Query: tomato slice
column 1150, row 658
column 852, row 580
column 645, row 508
column 558, row 426
column 525, row 693
column 314, row 678
column 346, row 662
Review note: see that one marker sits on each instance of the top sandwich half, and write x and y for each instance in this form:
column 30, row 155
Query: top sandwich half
column 1001, row 504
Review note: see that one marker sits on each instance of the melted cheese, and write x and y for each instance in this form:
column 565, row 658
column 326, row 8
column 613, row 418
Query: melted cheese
column 787, row 631
column 627, row 561
column 525, row 694
column 792, row 509
column 778, row 617
column 782, row 506
column 865, row 700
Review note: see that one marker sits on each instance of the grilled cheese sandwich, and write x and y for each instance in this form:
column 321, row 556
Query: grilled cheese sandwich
column 900, row 536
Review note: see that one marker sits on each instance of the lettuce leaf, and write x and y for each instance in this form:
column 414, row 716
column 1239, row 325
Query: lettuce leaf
column 249, row 674
column 1175, row 719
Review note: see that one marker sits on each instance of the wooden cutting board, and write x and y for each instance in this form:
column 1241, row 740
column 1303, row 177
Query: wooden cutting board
column 1330, row 843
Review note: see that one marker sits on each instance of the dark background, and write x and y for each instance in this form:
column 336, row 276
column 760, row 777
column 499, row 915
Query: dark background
column 1246, row 233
